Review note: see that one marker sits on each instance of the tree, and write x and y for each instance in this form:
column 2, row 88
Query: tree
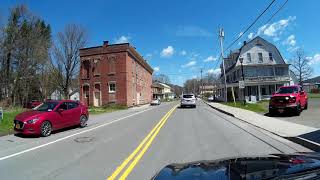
column 25, row 43
column 192, row 86
column 65, row 56
column 300, row 66
column 161, row 78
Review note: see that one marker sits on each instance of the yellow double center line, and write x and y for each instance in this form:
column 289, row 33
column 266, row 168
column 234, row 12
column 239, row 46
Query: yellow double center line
column 137, row 154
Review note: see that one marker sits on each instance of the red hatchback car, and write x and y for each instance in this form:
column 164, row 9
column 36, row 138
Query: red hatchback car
column 51, row 115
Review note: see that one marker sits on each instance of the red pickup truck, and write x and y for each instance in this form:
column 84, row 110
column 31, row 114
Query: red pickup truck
column 288, row 98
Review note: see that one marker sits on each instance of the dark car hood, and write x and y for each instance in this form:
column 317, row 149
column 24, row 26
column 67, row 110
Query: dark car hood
column 266, row 167
column 28, row 114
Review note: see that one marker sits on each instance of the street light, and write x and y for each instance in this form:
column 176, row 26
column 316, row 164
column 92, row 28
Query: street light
column 244, row 95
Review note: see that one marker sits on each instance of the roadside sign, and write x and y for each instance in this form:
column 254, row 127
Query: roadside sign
column 241, row 84
column 1, row 113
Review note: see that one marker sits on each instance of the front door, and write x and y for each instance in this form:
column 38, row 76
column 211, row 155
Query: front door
column 97, row 95
column 74, row 111
column 86, row 99
column 65, row 118
column 302, row 97
column 96, row 99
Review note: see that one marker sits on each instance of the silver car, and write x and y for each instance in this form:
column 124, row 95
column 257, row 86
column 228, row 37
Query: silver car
column 188, row 100
column 155, row 102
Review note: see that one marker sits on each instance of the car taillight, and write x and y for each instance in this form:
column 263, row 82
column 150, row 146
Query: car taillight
column 292, row 100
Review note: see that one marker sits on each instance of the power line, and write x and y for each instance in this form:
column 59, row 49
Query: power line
column 273, row 15
column 276, row 12
column 247, row 29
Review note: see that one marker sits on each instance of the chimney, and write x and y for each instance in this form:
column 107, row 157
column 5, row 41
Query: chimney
column 105, row 43
column 244, row 42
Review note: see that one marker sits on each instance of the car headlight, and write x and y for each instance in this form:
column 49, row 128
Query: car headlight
column 32, row 121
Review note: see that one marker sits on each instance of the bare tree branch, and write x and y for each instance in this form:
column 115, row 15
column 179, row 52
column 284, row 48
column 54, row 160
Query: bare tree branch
column 65, row 56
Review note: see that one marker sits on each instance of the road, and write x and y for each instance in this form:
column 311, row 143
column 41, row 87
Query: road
column 95, row 152
column 309, row 117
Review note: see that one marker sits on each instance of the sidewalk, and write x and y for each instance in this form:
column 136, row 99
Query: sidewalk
column 276, row 126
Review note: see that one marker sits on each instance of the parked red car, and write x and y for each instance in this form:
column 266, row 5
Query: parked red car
column 288, row 98
column 51, row 115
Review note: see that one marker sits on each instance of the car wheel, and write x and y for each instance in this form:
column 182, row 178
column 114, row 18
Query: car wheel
column 306, row 106
column 272, row 112
column 46, row 128
column 298, row 110
column 194, row 106
column 83, row 121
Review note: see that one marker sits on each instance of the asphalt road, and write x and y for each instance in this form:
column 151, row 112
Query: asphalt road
column 111, row 140
column 309, row 117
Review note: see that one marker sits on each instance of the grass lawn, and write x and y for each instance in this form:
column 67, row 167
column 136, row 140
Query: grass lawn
column 261, row 107
column 313, row 95
column 106, row 109
column 6, row 124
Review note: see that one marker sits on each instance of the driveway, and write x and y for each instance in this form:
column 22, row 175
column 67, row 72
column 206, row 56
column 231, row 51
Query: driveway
column 309, row 117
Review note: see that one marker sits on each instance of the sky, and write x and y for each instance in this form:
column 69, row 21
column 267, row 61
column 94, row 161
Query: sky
column 178, row 37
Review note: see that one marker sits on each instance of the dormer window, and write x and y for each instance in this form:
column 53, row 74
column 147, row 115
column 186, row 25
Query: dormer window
column 270, row 57
column 260, row 57
column 248, row 57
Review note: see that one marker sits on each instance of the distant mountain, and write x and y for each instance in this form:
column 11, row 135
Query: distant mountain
column 313, row 80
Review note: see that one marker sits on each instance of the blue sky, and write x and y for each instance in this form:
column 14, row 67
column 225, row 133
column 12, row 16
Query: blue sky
column 180, row 37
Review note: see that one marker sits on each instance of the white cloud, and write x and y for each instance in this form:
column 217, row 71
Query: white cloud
column 183, row 53
column 210, row 59
column 315, row 59
column 250, row 36
column 122, row 39
column 291, row 40
column 167, row 52
column 240, row 34
column 156, row 69
column 189, row 64
column 277, row 28
column 149, row 56
column 292, row 48
column 214, row 71
column 193, row 31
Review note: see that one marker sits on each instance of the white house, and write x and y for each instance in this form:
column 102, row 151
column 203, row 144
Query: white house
column 264, row 71
column 162, row 91
column 57, row 95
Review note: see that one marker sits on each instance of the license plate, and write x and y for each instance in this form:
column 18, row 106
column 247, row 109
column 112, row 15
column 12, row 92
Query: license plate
column 17, row 125
column 280, row 110
column 281, row 101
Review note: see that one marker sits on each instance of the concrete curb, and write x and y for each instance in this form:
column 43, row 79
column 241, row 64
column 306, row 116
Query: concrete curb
column 304, row 142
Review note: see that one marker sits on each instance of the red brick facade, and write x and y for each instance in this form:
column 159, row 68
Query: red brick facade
column 114, row 74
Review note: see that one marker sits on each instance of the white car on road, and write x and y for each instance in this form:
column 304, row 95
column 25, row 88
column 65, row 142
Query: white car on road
column 155, row 102
column 188, row 100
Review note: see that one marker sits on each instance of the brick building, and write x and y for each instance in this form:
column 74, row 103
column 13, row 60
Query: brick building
column 114, row 73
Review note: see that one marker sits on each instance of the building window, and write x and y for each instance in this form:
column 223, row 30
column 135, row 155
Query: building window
column 248, row 57
column 260, row 58
column 112, row 66
column 86, row 69
column 270, row 57
column 112, row 87
column 96, row 67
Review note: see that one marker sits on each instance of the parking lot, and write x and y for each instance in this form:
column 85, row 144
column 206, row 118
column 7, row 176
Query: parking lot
column 309, row 117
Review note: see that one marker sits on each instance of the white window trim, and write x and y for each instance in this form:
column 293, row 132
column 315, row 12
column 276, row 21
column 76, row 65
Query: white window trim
column 115, row 84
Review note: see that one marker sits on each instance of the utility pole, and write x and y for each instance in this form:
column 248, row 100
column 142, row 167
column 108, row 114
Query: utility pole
column 221, row 35
column 201, row 84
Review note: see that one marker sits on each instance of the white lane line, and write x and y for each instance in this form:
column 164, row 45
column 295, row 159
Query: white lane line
column 61, row 139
